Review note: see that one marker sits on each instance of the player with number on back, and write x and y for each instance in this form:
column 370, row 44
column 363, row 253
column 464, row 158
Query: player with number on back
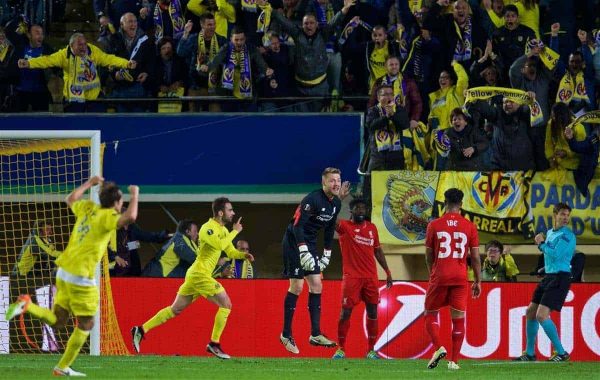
column 446, row 243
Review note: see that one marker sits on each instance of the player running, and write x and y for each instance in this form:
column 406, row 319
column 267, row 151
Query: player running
column 214, row 238
column 448, row 239
column 359, row 243
column 550, row 294
column 77, row 291
column 318, row 210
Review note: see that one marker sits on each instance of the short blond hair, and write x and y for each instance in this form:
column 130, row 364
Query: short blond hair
column 331, row 170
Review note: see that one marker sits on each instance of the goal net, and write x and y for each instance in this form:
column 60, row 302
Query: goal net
column 37, row 171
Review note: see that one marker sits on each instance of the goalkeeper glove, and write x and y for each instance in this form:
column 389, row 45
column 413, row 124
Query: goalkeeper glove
column 324, row 260
column 307, row 261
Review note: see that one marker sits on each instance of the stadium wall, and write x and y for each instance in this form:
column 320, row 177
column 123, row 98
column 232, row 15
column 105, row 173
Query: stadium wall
column 495, row 321
column 170, row 154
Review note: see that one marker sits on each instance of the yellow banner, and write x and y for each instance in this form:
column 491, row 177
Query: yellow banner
column 551, row 187
column 403, row 204
column 495, row 201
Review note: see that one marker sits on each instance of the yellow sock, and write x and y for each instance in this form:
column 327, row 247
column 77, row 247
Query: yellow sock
column 76, row 341
column 160, row 318
column 41, row 313
column 220, row 322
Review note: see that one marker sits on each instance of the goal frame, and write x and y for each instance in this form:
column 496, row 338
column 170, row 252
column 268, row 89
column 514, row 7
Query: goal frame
column 95, row 169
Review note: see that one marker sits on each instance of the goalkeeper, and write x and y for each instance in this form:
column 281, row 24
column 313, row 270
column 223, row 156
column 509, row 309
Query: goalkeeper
column 214, row 238
column 318, row 210
column 77, row 292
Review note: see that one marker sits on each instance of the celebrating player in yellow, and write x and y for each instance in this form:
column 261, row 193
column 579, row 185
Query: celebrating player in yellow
column 214, row 238
column 77, row 292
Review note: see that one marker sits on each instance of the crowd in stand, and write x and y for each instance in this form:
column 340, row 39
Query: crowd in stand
column 535, row 66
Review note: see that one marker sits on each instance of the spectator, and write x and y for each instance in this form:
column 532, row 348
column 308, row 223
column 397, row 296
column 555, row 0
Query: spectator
column 499, row 265
column 529, row 15
column 510, row 40
column 588, row 152
column 494, row 9
column 278, row 84
column 406, row 92
column 170, row 70
column 131, row 43
column 576, row 88
column 223, row 11
column 378, row 50
column 8, row 73
column 32, row 89
column 487, row 70
column 235, row 268
column 176, row 256
column 453, row 84
column 511, row 148
column 166, row 17
column 558, row 152
column 237, row 59
column 385, row 122
column 324, row 11
column 461, row 33
column 78, row 62
column 115, row 9
column 125, row 261
column 468, row 145
column 530, row 73
column 199, row 49
column 310, row 52
column 423, row 63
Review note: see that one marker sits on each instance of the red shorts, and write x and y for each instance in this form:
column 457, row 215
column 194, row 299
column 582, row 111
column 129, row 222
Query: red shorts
column 439, row 296
column 355, row 290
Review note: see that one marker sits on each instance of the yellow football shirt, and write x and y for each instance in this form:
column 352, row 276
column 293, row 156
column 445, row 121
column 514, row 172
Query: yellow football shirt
column 89, row 238
column 214, row 239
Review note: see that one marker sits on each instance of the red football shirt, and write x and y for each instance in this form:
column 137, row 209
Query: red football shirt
column 450, row 237
column 358, row 243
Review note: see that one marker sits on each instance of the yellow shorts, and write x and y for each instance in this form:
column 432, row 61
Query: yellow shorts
column 199, row 284
column 81, row 301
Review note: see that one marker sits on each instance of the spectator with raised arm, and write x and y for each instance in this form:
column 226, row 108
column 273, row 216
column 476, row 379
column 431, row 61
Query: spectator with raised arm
column 310, row 52
column 79, row 62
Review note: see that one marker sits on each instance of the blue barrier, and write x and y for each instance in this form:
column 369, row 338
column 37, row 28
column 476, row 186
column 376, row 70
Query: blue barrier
column 195, row 150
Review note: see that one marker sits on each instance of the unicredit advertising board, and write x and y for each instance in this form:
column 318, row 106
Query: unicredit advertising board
column 495, row 321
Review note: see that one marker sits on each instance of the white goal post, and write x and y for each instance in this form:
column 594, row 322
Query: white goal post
column 95, row 168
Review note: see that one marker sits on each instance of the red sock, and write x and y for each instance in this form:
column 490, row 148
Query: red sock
column 458, row 335
column 433, row 328
column 372, row 331
column 343, row 327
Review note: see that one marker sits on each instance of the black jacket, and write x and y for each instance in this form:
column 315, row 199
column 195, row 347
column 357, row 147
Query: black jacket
column 511, row 145
column 468, row 137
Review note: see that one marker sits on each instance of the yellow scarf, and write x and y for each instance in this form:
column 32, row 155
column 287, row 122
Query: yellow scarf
column 414, row 147
column 572, row 89
column 390, row 138
column 592, row 117
column 399, row 98
column 518, row 96
column 548, row 56
column 415, row 6
column 202, row 58
column 4, row 47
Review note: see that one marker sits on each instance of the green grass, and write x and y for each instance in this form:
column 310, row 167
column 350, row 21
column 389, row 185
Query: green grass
column 175, row 367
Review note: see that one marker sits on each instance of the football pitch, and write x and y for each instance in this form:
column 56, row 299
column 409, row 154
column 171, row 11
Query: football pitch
column 174, row 367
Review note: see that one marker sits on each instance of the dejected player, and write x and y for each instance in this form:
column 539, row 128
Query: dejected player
column 359, row 243
column 447, row 241
column 318, row 210
column 77, row 291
